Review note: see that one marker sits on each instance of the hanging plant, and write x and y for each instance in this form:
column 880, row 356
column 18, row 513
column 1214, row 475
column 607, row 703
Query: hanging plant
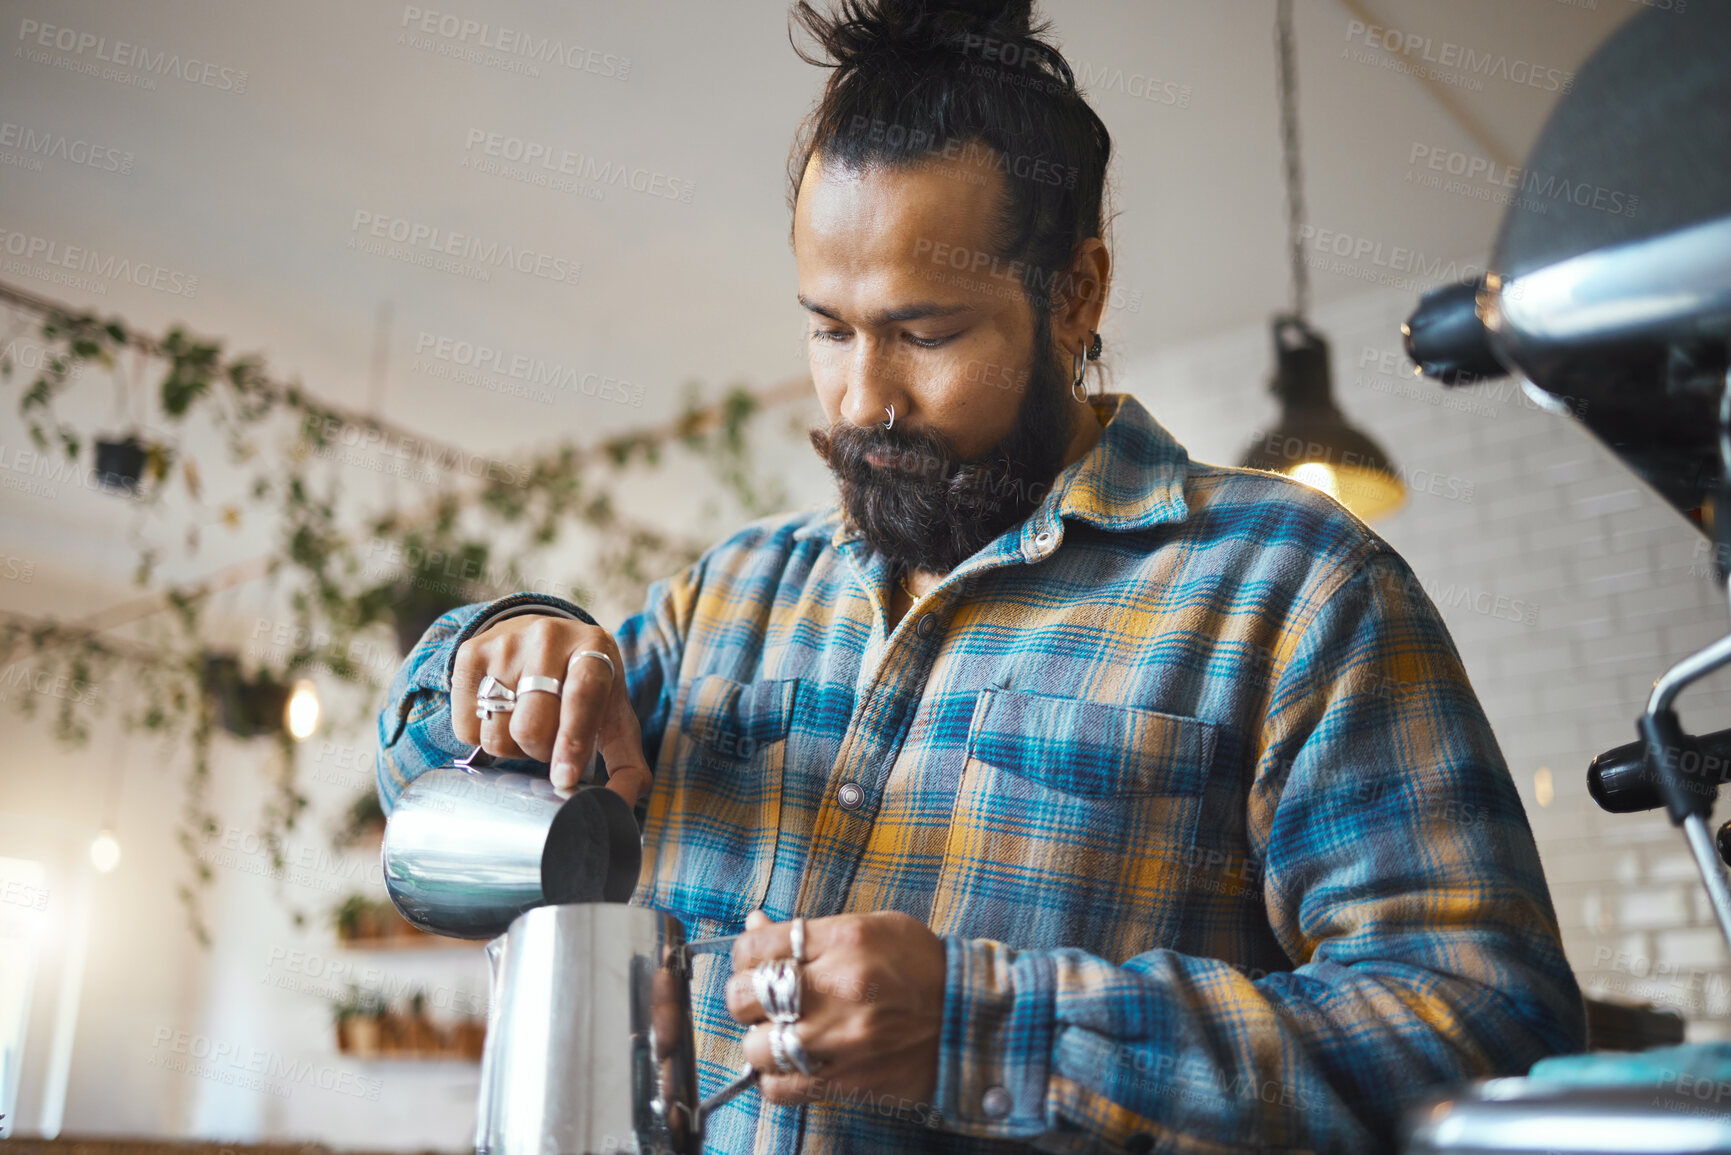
column 119, row 464
column 339, row 604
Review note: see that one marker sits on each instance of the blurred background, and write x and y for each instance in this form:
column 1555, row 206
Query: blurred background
column 403, row 307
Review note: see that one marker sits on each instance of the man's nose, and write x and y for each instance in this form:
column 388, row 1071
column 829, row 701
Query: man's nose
column 874, row 386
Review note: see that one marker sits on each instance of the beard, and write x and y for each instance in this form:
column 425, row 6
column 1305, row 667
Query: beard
column 926, row 508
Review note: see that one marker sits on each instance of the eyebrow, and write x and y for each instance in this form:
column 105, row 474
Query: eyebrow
column 918, row 311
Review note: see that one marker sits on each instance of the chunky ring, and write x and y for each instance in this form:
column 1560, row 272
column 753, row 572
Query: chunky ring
column 494, row 698
column 796, row 937
column 533, row 683
column 791, row 1049
column 775, row 982
column 778, row 1047
column 596, row 654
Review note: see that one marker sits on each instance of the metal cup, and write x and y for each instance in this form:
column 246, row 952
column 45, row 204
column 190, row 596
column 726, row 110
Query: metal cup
column 589, row 1036
column 468, row 849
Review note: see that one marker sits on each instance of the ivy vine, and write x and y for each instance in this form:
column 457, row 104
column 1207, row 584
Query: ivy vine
column 492, row 529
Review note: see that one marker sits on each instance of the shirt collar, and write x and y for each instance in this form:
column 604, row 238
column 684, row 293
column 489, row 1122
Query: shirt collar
column 1133, row 478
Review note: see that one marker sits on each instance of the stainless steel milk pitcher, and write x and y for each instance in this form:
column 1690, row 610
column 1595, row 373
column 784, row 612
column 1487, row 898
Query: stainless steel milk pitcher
column 589, row 1036
column 467, row 848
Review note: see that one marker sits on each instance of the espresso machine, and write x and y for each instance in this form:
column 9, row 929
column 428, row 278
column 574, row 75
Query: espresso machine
column 1621, row 320
column 589, row 1041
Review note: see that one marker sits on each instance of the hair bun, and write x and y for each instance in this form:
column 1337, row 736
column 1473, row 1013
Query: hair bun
column 861, row 29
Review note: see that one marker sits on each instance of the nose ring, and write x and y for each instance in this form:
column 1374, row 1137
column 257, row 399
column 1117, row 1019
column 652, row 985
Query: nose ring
column 891, row 423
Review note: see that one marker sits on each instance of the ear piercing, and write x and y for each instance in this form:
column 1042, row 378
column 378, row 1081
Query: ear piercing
column 1079, row 366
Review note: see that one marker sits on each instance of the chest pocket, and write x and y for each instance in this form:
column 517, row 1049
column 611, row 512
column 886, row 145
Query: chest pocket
column 1074, row 824
column 714, row 815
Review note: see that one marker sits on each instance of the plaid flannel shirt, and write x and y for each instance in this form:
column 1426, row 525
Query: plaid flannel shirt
column 1185, row 770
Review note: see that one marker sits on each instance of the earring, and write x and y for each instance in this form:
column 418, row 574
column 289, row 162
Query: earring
column 1079, row 366
column 891, row 410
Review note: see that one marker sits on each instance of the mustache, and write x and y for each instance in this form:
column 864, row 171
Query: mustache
column 850, row 451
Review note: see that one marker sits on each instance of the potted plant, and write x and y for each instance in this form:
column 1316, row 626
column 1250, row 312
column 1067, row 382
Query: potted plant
column 358, row 1019
column 419, row 1034
column 119, row 464
column 353, row 918
column 364, row 820
column 468, row 1036
column 246, row 708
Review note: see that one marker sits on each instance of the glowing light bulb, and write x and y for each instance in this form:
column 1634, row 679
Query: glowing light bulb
column 301, row 715
column 1318, row 476
column 105, row 852
column 1544, row 789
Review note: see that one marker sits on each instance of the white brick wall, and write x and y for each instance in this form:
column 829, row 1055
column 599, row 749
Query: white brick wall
column 1623, row 591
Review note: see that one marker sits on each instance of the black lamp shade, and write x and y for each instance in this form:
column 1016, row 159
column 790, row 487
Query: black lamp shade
column 1313, row 442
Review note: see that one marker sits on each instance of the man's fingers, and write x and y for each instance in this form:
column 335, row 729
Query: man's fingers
column 773, row 1085
column 534, row 724
column 582, row 709
column 770, row 940
column 496, row 737
column 742, row 1001
column 621, row 738
column 466, row 674
column 492, row 734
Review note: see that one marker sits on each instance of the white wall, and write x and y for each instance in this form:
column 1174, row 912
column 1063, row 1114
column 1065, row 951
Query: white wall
column 255, row 192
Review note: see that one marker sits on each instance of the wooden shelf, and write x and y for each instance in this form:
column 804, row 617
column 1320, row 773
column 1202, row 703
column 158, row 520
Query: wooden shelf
column 366, row 1036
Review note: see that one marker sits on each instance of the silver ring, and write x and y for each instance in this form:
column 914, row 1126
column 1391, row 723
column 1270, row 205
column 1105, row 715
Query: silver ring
column 791, row 1049
column 597, row 654
column 537, row 683
column 494, row 697
column 778, row 1048
column 891, row 410
column 775, row 982
column 796, row 936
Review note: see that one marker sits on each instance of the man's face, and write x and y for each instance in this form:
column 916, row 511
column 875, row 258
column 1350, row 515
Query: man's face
column 910, row 308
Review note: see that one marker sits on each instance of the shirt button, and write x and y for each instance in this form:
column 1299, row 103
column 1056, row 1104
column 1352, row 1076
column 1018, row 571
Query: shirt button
column 926, row 626
column 851, row 796
column 996, row 1102
column 1044, row 539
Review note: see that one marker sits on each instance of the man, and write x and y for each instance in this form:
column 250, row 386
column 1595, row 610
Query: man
column 1120, row 801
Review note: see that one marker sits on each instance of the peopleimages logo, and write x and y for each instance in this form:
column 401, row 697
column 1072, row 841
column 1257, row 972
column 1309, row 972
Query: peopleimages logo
column 534, row 371
column 417, row 242
column 581, row 166
column 511, row 43
column 253, row 1068
column 44, row 145
column 1534, row 188
column 49, row 260
column 1450, row 63
column 33, row 34
column 1367, row 259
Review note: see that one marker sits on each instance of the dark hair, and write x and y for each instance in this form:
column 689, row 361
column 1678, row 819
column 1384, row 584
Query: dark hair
column 915, row 79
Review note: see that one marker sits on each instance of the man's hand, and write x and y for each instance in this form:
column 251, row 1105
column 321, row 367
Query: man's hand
column 591, row 711
column 871, row 1007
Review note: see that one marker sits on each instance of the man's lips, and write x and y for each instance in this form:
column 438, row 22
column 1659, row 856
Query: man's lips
column 901, row 459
